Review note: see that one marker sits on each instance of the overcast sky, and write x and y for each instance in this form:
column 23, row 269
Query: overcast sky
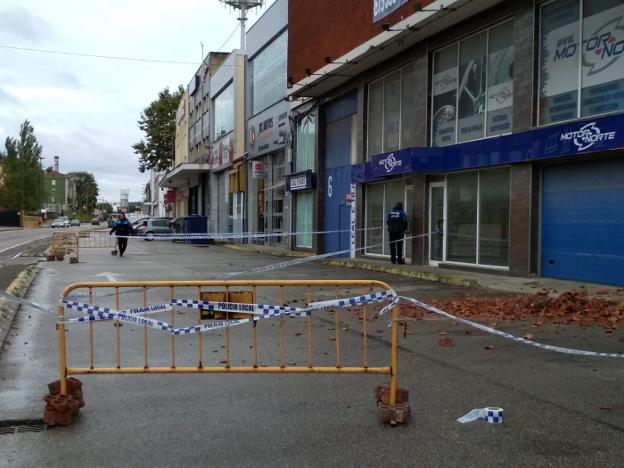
column 85, row 109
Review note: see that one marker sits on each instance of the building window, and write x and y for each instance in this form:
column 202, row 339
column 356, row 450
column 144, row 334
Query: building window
column 478, row 217
column 267, row 74
column 303, row 221
column 472, row 88
column 224, row 113
column 392, row 111
column 580, row 78
column 306, row 143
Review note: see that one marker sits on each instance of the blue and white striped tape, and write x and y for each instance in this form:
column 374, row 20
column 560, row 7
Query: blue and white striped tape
column 264, row 311
column 509, row 336
column 93, row 310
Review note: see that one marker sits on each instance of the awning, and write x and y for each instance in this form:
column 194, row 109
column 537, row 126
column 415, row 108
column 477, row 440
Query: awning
column 179, row 175
column 399, row 37
column 555, row 141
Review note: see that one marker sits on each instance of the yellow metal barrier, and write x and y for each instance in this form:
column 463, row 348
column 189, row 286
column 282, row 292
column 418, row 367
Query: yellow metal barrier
column 64, row 243
column 92, row 239
column 392, row 401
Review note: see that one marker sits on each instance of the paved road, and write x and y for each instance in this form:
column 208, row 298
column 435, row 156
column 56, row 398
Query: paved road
column 560, row 410
column 15, row 243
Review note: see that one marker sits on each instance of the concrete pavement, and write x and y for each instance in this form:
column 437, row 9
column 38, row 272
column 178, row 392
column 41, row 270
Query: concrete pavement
column 560, row 410
column 494, row 282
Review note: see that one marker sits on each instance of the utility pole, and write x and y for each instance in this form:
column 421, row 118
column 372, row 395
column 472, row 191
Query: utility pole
column 244, row 6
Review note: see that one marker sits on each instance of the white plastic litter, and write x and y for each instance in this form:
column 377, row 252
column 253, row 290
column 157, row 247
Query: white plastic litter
column 491, row 415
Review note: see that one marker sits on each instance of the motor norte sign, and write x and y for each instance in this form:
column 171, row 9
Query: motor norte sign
column 382, row 8
column 588, row 135
column 389, row 163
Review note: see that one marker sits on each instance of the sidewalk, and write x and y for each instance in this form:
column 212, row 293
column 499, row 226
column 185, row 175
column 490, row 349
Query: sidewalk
column 496, row 282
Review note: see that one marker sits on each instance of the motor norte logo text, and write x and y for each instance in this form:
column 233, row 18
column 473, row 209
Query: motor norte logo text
column 390, row 162
column 601, row 49
column 587, row 136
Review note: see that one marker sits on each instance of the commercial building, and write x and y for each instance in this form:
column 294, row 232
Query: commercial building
column 188, row 180
column 497, row 124
column 268, row 124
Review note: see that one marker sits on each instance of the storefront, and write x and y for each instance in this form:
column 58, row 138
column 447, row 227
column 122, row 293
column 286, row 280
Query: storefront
column 338, row 155
column 302, row 183
column 478, row 199
column 268, row 134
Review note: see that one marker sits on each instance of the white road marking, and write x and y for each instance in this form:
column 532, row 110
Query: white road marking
column 17, row 255
column 110, row 276
column 18, row 245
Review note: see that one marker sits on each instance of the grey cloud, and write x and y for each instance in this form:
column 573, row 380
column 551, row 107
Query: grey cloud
column 6, row 98
column 114, row 167
column 68, row 78
column 18, row 22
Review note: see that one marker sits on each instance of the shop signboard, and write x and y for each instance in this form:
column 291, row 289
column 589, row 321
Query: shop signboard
column 580, row 137
column 300, row 181
column 382, row 8
column 393, row 163
column 257, row 170
column 268, row 131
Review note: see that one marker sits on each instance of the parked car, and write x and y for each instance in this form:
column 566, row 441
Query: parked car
column 136, row 224
column 95, row 222
column 61, row 222
column 74, row 222
column 154, row 227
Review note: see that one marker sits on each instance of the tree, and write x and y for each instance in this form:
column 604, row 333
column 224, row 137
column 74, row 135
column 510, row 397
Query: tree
column 23, row 174
column 158, row 122
column 86, row 191
column 104, row 207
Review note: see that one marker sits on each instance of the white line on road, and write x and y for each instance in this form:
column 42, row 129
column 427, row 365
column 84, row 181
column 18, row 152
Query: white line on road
column 17, row 255
column 17, row 245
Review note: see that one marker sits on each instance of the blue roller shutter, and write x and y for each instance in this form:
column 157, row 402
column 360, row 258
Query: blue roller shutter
column 583, row 222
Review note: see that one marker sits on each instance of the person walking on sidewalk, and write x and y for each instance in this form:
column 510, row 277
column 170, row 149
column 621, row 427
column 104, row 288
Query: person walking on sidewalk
column 397, row 225
column 122, row 229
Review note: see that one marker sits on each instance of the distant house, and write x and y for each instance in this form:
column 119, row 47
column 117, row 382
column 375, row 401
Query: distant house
column 59, row 190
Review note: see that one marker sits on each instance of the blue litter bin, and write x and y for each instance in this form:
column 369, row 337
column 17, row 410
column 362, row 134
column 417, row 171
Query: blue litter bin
column 195, row 224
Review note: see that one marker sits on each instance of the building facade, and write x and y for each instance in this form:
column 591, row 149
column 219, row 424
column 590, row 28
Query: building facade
column 496, row 124
column 188, row 181
column 59, row 191
column 268, row 125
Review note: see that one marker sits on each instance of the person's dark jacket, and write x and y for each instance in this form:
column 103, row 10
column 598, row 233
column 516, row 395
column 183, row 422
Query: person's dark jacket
column 396, row 221
column 122, row 227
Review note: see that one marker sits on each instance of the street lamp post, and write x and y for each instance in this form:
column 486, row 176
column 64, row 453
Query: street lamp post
column 243, row 6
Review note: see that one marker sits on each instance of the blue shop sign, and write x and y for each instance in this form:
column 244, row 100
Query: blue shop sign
column 581, row 137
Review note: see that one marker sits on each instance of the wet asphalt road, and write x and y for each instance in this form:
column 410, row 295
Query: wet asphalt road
column 559, row 410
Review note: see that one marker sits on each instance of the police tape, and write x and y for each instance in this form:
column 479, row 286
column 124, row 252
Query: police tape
column 104, row 313
column 264, row 311
column 236, row 235
column 92, row 310
column 302, row 260
column 261, row 269
column 509, row 336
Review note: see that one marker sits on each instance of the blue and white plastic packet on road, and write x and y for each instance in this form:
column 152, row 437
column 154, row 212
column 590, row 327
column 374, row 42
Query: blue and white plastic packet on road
column 491, row 415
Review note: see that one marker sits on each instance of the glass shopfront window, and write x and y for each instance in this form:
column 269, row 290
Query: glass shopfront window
column 380, row 199
column 476, row 230
column 224, row 112
column 392, row 111
column 472, row 88
column 303, row 221
column 267, row 74
column 581, row 59
column 306, row 143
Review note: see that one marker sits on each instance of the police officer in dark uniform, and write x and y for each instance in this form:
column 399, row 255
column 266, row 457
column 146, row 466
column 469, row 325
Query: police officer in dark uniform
column 397, row 225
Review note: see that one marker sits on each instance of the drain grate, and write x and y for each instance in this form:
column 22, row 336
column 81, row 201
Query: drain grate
column 21, row 426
